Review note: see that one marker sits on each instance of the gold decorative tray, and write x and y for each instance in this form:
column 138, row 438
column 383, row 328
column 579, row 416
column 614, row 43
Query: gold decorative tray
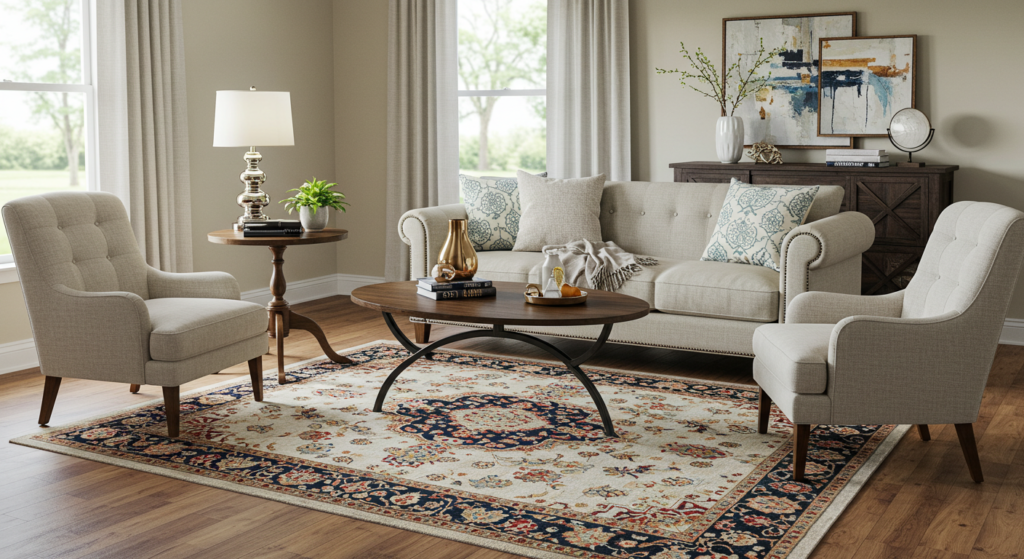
column 555, row 301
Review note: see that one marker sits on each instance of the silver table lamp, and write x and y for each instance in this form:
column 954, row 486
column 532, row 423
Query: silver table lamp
column 253, row 118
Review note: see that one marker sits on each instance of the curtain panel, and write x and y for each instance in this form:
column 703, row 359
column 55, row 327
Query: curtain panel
column 423, row 140
column 142, row 124
column 588, row 89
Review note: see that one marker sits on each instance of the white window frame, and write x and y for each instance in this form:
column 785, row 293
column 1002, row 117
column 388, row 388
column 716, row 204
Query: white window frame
column 8, row 272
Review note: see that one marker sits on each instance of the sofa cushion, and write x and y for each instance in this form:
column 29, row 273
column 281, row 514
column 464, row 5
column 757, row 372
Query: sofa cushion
column 718, row 289
column 525, row 267
column 796, row 355
column 492, row 207
column 185, row 328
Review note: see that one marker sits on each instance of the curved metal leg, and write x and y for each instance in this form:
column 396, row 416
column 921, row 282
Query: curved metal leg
column 499, row 331
column 571, row 364
column 421, row 353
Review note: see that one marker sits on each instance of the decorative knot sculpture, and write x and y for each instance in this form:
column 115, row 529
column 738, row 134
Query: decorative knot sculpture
column 763, row 152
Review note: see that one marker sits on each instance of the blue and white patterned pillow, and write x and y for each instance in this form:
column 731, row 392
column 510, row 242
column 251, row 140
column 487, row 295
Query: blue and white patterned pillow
column 492, row 205
column 755, row 220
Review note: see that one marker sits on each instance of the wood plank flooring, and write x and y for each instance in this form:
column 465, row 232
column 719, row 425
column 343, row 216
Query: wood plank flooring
column 920, row 504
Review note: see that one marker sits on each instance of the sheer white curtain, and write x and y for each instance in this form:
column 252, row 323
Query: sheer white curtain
column 142, row 123
column 423, row 135
column 588, row 89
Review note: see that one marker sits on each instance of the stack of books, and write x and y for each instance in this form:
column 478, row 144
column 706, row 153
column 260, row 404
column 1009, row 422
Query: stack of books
column 856, row 158
column 476, row 287
column 273, row 228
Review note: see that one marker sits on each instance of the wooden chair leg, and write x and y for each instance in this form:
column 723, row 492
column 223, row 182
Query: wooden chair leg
column 256, row 374
column 801, row 435
column 923, row 431
column 172, row 408
column 422, row 332
column 965, row 432
column 764, row 411
column 134, row 389
column 50, row 387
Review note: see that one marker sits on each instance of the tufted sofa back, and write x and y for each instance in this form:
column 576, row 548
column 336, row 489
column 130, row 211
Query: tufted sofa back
column 676, row 220
column 972, row 259
column 81, row 240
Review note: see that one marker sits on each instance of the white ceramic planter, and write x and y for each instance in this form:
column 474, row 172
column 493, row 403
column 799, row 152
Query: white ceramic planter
column 729, row 139
column 314, row 222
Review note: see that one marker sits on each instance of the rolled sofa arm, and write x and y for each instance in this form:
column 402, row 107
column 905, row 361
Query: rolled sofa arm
column 93, row 335
column 425, row 230
column 821, row 307
column 202, row 285
column 824, row 255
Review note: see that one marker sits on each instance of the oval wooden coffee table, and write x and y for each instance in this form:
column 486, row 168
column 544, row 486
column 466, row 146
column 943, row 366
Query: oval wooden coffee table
column 507, row 308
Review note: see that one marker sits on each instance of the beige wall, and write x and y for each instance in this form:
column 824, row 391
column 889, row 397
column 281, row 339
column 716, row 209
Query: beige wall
column 969, row 70
column 360, row 141
column 275, row 46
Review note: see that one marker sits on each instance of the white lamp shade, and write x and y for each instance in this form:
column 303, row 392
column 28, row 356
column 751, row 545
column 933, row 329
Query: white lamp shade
column 253, row 118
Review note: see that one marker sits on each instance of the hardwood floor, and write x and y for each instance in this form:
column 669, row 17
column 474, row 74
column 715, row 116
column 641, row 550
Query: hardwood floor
column 920, row 504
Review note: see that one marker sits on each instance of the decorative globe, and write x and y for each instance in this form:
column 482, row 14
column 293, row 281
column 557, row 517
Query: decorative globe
column 910, row 129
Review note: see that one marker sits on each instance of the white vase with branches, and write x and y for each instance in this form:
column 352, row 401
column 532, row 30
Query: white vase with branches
column 729, row 128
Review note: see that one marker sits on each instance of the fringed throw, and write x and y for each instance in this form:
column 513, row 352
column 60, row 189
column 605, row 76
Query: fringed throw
column 598, row 265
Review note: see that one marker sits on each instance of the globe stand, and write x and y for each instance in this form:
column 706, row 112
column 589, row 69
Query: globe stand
column 911, row 151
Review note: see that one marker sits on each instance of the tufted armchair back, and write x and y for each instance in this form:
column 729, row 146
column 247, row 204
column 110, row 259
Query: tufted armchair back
column 81, row 240
column 970, row 262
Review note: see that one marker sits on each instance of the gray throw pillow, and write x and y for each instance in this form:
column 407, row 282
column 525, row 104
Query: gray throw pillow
column 558, row 211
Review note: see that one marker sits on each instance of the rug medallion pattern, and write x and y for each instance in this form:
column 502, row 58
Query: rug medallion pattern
column 508, row 450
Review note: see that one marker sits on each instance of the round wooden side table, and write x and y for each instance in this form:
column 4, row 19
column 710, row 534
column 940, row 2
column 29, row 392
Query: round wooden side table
column 281, row 319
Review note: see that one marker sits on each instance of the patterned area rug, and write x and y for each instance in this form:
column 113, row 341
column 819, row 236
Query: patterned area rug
column 507, row 454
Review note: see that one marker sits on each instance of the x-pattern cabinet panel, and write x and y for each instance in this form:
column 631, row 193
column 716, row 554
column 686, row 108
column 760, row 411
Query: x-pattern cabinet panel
column 902, row 202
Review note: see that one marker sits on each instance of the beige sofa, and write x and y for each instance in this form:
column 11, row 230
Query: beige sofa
column 711, row 307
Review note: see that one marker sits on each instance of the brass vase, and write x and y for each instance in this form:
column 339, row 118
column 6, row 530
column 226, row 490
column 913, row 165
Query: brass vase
column 458, row 252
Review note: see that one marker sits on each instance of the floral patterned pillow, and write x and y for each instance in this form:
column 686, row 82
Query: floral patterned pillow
column 755, row 220
column 492, row 204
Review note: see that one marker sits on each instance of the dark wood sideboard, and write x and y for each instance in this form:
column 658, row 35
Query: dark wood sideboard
column 903, row 202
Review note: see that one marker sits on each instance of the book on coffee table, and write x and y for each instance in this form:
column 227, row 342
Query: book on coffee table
column 457, row 293
column 430, row 284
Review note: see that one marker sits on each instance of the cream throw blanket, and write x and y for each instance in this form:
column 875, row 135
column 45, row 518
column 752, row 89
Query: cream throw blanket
column 603, row 265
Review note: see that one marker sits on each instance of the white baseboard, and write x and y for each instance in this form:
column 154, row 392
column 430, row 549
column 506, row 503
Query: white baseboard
column 18, row 356
column 1013, row 332
column 21, row 355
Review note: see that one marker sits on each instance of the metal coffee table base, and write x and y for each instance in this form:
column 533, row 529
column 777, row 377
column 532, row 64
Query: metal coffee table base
column 498, row 331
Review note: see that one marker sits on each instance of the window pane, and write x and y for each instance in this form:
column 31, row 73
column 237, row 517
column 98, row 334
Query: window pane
column 39, row 133
column 41, row 41
column 502, row 44
column 514, row 136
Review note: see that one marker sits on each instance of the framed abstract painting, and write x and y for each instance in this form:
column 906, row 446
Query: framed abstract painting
column 785, row 112
column 863, row 82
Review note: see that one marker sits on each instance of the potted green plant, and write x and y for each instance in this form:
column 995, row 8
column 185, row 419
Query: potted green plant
column 315, row 195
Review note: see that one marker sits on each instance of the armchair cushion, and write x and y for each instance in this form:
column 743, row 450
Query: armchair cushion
column 796, row 355
column 183, row 327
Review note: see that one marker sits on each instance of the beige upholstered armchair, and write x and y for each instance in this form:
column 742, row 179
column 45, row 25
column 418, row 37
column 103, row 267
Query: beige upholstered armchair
column 99, row 312
column 918, row 356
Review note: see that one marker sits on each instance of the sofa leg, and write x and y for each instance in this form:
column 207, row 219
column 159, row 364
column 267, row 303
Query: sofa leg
column 923, row 431
column 172, row 408
column 764, row 411
column 801, row 435
column 134, row 389
column 50, row 387
column 422, row 332
column 256, row 375
column 965, row 432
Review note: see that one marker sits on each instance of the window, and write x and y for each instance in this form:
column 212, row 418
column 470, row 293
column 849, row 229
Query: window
column 502, row 77
column 46, row 92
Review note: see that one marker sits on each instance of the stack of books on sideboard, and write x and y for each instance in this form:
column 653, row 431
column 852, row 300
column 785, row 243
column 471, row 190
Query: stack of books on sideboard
column 476, row 287
column 856, row 158
column 273, row 228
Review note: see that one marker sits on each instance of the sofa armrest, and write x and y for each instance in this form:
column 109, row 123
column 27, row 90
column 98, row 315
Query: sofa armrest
column 425, row 231
column 824, row 255
column 93, row 335
column 204, row 285
column 821, row 307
